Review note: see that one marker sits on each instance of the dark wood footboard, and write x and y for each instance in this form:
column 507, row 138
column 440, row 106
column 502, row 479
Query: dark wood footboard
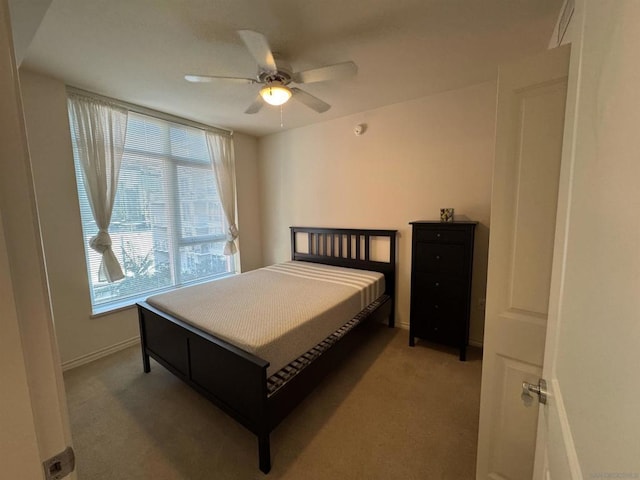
column 239, row 388
column 235, row 380
column 189, row 353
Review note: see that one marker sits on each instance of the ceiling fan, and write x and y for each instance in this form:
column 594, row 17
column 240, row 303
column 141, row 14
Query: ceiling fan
column 276, row 75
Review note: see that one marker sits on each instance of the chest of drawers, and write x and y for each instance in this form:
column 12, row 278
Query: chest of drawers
column 441, row 268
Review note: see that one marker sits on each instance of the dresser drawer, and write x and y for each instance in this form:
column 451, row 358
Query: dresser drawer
column 432, row 307
column 442, row 235
column 439, row 329
column 446, row 259
column 444, row 331
column 437, row 286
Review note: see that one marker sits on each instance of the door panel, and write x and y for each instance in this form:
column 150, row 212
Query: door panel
column 24, row 282
column 589, row 428
column 541, row 115
column 515, row 427
column 18, row 432
column 529, row 128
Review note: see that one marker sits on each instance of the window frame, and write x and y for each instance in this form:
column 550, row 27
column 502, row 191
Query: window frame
column 177, row 238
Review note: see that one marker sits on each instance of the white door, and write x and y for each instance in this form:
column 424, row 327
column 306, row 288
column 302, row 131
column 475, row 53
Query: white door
column 33, row 411
column 590, row 426
column 529, row 130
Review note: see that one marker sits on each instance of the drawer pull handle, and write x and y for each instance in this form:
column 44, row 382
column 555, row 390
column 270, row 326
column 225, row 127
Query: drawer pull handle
column 438, row 235
column 436, row 307
column 437, row 284
column 435, row 329
column 437, row 257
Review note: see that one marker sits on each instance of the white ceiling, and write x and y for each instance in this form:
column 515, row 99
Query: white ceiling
column 139, row 50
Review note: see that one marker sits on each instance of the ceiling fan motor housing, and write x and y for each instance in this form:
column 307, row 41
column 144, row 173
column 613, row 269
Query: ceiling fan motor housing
column 283, row 75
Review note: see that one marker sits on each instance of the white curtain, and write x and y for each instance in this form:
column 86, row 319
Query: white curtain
column 224, row 167
column 101, row 128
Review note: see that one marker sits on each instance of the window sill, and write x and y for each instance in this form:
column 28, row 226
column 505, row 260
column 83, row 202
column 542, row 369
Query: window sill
column 130, row 303
column 115, row 308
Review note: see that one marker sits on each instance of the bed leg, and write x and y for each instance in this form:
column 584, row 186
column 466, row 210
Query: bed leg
column 146, row 365
column 463, row 353
column 391, row 319
column 264, row 452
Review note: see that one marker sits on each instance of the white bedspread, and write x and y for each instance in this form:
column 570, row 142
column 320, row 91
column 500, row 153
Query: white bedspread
column 277, row 312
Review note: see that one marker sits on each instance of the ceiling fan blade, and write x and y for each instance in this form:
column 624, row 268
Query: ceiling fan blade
column 212, row 78
column 258, row 46
column 330, row 72
column 255, row 106
column 310, row 101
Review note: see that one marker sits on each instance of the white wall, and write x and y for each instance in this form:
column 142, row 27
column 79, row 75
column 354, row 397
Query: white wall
column 248, row 193
column 414, row 158
column 80, row 336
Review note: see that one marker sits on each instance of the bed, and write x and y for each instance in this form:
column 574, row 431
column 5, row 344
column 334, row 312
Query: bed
column 244, row 371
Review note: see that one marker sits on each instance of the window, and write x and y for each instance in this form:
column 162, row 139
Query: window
column 167, row 225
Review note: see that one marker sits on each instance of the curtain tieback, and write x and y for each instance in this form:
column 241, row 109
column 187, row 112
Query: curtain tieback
column 232, row 233
column 230, row 247
column 101, row 242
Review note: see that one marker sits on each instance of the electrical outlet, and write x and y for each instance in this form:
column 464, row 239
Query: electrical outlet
column 60, row 466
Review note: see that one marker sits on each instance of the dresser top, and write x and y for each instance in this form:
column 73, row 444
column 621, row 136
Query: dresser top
column 440, row 222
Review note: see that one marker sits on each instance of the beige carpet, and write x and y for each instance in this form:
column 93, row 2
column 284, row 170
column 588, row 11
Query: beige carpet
column 390, row 412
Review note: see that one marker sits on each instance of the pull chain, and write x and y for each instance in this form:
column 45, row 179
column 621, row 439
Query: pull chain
column 281, row 121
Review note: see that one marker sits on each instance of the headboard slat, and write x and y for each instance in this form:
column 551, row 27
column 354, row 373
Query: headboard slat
column 366, row 247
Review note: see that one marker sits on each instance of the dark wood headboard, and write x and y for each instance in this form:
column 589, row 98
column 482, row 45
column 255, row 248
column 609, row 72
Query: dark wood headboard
column 346, row 247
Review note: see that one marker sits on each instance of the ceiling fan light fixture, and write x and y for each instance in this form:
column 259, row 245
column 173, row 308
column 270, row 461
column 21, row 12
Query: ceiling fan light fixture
column 275, row 93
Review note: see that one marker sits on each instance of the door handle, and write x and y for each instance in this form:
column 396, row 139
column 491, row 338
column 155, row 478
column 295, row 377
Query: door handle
column 540, row 389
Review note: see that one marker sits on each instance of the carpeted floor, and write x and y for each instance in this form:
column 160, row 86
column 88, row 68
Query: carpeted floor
column 390, row 412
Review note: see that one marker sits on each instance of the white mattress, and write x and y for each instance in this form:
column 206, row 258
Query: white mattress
column 277, row 312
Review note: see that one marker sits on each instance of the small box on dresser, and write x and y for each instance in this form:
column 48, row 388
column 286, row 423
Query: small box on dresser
column 441, row 269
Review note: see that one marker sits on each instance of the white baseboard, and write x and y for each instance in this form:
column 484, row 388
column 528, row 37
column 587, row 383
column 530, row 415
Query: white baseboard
column 402, row 325
column 103, row 352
